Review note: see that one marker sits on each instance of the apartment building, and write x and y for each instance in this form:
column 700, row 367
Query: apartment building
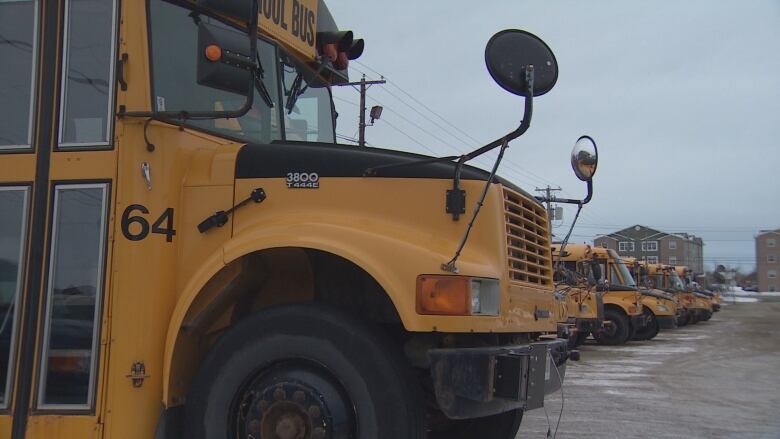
column 767, row 255
column 655, row 246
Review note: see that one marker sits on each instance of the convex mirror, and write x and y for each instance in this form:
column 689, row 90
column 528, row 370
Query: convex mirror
column 510, row 51
column 585, row 158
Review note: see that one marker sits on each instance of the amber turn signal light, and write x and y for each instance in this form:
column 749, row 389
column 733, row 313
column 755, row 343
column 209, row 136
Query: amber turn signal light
column 444, row 295
column 213, row 52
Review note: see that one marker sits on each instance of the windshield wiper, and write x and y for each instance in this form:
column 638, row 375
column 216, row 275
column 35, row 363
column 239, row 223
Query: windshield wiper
column 295, row 92
column 260, row 85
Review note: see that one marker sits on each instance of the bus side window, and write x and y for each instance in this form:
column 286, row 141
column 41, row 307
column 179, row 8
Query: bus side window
column 13, row 233
column 73, row 297
column 18, row 25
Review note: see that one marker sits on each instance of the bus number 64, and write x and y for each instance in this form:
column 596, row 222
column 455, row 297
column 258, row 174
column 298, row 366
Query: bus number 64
column 141, row 231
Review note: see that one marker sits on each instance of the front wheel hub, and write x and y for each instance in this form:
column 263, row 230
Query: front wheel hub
column 286, row 411
column 294, row 401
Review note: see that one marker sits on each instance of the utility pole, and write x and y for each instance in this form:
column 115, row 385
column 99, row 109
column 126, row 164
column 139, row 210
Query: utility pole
column 549, row 197
column 364, row 86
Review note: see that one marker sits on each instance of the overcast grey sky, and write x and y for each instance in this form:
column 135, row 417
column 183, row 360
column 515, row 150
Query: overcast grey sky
column 683, row 99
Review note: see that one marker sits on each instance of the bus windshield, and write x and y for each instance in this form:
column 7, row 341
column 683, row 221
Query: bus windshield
column 174, row 39
column 628, row 280
column 676, row 282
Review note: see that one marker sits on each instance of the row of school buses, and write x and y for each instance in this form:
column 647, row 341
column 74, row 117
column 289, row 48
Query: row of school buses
column 618, row 299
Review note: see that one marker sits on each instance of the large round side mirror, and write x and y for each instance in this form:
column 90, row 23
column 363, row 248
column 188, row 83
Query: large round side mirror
column 509, row 52
column 585, row 158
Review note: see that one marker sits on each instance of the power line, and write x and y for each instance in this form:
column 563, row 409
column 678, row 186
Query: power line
column 507, row 161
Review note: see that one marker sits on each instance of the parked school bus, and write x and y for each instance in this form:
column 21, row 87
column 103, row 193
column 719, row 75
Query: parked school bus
column 702, row 302
column 623, row 313
column 187, row 252
column 660, row 308
column 585, row 305
column 665, row 278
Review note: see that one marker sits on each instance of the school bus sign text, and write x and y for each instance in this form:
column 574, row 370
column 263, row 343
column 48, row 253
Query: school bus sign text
column 293, row 22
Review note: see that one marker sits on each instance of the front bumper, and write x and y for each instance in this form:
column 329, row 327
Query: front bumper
column 477, row 382
column 715, row 307
column 666, row 322
column 588, row 325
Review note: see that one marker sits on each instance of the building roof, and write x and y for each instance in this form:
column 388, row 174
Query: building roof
column 768, row 232
column 656, row 234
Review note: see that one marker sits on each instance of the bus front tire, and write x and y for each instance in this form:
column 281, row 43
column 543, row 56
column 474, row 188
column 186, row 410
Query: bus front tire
column 617, row 332
column 303, row 370
column 650, row 330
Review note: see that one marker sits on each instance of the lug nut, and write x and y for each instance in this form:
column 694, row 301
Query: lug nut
column 314, row 412
column 280, row 394
column 299, row 396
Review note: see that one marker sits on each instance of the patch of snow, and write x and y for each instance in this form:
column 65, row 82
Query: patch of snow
column 650, row 349
column 636, row 384
column 738, row 299
column 634, row 395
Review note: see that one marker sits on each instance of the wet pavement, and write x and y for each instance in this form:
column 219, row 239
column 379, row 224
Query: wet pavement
column 716, row 379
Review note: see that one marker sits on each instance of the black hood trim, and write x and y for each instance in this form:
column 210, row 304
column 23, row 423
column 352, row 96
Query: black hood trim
column 276, row 159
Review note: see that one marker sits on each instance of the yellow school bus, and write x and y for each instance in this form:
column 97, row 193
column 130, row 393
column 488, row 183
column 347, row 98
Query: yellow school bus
column 623, row 313
column 584, row 305
column 659, row 307
column 665, row 278
column 186, row 252
column 702, row 302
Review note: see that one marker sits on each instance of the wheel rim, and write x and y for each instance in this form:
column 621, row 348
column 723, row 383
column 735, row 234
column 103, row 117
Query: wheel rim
column 610, row 329
column 293, row 400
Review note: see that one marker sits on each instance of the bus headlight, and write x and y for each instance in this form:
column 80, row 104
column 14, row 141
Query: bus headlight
column 662, row 308
column 457, row 295
column 485, row 297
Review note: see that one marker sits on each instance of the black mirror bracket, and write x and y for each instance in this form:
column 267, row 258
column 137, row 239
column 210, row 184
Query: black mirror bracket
column 456, row 191
column 569, row 200
column 456, row 197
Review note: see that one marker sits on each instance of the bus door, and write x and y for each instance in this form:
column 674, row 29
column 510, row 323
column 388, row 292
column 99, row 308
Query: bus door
column 57, row 172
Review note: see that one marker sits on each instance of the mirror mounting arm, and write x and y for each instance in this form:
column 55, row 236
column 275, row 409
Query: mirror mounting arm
column 569, row 200
column 456, row 197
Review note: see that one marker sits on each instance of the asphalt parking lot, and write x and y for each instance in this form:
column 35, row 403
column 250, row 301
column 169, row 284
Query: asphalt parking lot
column 716, row 379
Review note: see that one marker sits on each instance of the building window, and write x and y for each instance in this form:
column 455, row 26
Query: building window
column 626, row 246
column 771, row 242
column 604, row 245
column 650, row 246
column 652, row 259
column 771, row 274
column 771, row 259
column 672, row 260
column 672, row 245
column 772, row 288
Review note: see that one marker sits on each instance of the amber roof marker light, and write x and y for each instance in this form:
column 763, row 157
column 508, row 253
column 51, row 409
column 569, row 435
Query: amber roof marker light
column 213, row 52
